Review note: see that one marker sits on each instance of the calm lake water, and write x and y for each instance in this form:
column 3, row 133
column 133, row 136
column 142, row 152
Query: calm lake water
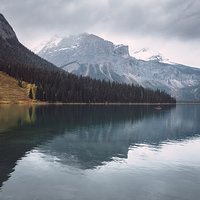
column 100, row 153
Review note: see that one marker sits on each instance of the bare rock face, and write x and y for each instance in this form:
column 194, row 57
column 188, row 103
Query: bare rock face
column 6, row 31
column 122, row 50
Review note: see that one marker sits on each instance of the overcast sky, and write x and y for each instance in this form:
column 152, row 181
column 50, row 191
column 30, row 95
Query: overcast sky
column 171, row 27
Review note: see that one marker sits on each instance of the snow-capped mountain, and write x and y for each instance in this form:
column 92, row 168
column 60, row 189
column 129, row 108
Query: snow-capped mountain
column 150, row 55
column 90, row 55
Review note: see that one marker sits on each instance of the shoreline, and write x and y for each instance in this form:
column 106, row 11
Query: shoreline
column 106, row 104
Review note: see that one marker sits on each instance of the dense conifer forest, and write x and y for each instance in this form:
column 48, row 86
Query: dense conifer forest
column 60, row 86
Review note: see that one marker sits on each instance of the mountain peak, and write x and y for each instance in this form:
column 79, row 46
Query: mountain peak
column 88, row 48
column 150, row 55
column 6, row 31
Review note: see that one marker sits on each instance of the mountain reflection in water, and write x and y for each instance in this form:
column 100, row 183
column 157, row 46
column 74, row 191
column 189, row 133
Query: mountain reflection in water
column 86, row 137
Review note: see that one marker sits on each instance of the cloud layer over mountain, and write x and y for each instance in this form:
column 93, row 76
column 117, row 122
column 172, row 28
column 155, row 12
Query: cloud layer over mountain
column 176, row 21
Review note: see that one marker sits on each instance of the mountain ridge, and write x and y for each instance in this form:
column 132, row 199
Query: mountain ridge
column 97, row 58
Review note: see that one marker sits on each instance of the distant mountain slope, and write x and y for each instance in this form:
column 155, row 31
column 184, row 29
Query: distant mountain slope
column 90, row 55
column 10, row 92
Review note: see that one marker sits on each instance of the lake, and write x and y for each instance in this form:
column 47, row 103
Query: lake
column 99, row 152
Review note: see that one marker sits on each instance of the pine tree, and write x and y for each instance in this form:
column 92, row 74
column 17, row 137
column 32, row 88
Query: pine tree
column 30, row 94
column 19, row 83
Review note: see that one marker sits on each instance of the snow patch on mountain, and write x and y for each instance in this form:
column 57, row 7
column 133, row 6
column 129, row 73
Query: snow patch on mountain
column 150, row 55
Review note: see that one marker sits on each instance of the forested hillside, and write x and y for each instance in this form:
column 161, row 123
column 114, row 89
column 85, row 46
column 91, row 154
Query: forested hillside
column 58, row 86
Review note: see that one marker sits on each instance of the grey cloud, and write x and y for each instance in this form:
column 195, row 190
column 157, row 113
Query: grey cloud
column 169, row 18
column 164, row 18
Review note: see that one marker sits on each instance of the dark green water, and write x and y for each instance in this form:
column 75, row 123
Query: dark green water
column 99, row 153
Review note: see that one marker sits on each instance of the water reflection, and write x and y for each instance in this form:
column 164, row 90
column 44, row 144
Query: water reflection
column 86, row 137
